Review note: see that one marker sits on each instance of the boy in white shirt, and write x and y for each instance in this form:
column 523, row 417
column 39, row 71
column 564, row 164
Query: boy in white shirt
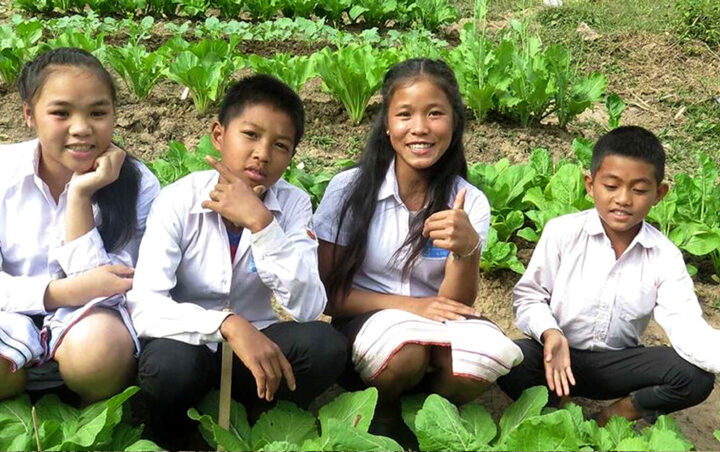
column 592, row 284
column 218, row 245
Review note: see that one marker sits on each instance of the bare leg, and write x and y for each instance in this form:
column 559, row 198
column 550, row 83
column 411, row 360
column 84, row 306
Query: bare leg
column 459, row 390
column 11, row 383
column 96, row 356
column 622, row 407
column 404, row 371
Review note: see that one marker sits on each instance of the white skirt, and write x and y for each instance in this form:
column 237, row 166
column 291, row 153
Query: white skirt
column 480, row 350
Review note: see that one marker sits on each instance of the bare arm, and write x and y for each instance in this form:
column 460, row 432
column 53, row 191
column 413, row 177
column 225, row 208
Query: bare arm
column 359, row 301
column 452, row 230
column 79, row 214
column 77, row 290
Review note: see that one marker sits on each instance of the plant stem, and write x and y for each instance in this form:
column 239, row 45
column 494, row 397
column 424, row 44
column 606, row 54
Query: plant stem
column 35, row 427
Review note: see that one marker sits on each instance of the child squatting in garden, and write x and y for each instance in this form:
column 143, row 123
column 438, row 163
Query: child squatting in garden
column 593, row 282
column 400, row 241
column 219, row 244
column 72, row 212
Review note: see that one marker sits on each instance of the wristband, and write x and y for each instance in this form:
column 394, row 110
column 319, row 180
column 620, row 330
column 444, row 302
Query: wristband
column 473, row 251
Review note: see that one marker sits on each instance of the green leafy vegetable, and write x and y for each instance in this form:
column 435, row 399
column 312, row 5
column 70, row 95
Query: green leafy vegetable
column 62, row 427
column 615, row 107
column 205, row 69
column 139, row 69
column 344, row 423
column 294, row 71
column 353, row 74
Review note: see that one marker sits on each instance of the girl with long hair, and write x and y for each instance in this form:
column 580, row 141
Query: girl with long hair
column 72, row 212
column 400, row 240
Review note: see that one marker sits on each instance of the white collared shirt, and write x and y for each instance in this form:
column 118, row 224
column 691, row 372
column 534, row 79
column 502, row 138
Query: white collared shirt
column 184, row 276
column 575, row 284
column 33, row 250
column 389, row 228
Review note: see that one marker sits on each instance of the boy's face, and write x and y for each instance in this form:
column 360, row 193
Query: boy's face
column 624, row 190
column 257, row 144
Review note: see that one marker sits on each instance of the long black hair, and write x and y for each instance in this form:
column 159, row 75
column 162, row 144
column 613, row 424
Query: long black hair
column 117, row 201
column 359, row 207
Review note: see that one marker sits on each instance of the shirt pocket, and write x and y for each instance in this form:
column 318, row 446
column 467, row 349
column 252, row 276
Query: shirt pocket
column 634, row 307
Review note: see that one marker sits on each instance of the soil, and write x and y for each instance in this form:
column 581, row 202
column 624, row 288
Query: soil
column 652, row 73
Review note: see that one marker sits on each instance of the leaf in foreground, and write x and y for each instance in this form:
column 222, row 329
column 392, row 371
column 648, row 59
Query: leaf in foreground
column 528, row 405
column 439, row 426
column 15, row 425
column 345, row 437
column 554, row 431
column 284, row 423
column 410, row 407
column 355, row 409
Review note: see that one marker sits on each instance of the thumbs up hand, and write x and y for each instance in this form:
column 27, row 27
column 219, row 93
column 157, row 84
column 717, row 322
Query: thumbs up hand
column 451, row 229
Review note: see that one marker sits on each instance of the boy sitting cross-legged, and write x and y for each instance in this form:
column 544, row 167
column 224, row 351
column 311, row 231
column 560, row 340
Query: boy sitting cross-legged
column 592, row 284
column 231, row 238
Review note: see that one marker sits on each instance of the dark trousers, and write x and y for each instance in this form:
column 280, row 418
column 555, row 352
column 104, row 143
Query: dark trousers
column 175, row 376
column 657, row 379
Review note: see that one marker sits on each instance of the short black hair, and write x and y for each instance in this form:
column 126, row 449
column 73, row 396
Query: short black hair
column 263, row 89
column 634, row 142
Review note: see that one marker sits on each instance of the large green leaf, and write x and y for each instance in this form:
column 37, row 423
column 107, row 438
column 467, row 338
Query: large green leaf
column 439, row 427
column 95, row 423
column 285, row 422
column 554, row 431
column 619, row 429
column 16, row 429
column 347, row 438
column 216, row 435
column 410, row 407
column 239, row 426
column 633, row 444
column 667, row 440
column 478, row 422
column 529, row 404
column 355, row 409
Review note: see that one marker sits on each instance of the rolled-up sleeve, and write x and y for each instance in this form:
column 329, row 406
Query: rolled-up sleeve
column 327, row 215
column 678, row 312
column 286, row 260
column 532, row 294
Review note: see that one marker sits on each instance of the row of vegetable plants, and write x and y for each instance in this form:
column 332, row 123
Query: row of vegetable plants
column 342, row 424
column 515, row 77
column 429, row 14
column 526, row 425
column 50, row 424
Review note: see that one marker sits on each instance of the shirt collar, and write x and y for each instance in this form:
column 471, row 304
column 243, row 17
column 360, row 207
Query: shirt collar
column 389, row 186
column 593, row 226
column 30, row 167
column 271, row 200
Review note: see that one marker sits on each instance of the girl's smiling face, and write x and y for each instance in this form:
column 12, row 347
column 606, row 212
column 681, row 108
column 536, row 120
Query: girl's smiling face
column 73, row 115
column 420, row 124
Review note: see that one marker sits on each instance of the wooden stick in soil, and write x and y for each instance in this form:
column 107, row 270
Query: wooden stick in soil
column 225, row 388
column 35, row 427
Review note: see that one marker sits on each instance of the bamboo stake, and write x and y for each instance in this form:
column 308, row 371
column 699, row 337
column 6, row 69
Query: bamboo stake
column 225, row 387
column 35, row 427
